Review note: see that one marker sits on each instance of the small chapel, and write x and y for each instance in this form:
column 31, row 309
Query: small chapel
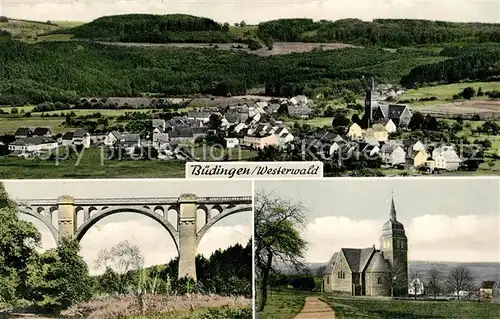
column 371, row 271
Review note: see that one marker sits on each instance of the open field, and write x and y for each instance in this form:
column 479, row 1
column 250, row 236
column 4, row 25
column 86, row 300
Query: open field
column 283, row 305
column 314, row 122
column 10, row 125
column 355, row 308
column 486, row 109
column 92, row 164
column 443, row 92
column 278, row 47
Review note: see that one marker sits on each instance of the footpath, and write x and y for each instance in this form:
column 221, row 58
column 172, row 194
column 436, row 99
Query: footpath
column 315, row 309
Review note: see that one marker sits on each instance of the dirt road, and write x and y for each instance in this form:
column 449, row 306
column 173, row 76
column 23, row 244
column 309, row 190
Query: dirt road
column 315, row 309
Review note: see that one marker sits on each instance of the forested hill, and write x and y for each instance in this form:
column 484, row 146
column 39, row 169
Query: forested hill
column 187, row 28
column 152, row 29
column 384, row 32
column 64, row 71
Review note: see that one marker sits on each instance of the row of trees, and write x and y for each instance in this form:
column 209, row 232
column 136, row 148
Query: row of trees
column 458, row 280
column 383, row 32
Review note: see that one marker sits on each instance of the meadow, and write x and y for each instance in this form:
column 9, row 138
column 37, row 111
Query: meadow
column 92, row 164
column 284, row 304
column 355, row 308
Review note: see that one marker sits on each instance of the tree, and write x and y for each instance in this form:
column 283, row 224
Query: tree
column 459, row 279
column 435, row 282
column 480, row 91
column 122, row 259
column 277, row 237
column 340, row 119
column 18, row 240
column 243, row 24
column 468, row 93
column 60, row 277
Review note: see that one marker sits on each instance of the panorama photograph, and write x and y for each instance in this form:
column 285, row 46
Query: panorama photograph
column 169, row 249
column 378, row 248
column 138, row 88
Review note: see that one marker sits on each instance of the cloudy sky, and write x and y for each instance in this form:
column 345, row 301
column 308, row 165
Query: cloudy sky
column 153, row 240
column 254, row 11
column 446, row 219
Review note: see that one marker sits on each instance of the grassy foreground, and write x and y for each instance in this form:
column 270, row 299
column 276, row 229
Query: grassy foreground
column 90, row 165
column 351, row 308
column 283, row 305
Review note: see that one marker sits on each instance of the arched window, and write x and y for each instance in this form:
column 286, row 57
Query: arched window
column 379, row 281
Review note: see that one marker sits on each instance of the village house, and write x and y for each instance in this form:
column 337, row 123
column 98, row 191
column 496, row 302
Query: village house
column 231, row 142
column 377, row 132
column 446, row 158
column 78, row 137
column 486, row 289
column 416, row 287
column 284, row 135
column 392, row 155
column 420, row 158
column 388, row 125
column 42, row 131
column 182, row 136
column 200, row 116
column 159, row 124
column 126, row 140
column 260, row 141
column 355, row 131
column 32, row 145
column 23, row 132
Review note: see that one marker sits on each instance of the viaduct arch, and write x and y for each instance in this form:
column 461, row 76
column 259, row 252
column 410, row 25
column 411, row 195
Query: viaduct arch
column 183, row 231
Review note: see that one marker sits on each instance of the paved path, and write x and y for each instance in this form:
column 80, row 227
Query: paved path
column 315, row 308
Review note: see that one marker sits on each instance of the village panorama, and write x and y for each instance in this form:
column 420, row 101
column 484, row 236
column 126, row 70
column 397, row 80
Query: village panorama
column 382, row 138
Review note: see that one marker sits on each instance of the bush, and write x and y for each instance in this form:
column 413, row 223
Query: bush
column 3, row 19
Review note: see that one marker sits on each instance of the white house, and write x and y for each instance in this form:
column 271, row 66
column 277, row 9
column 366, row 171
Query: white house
column 418, row 146
column 388, row 124
column 231, row 142
column 392, row 154
column 415, row 287
column 32, row 145
column 112, row 138
column 446, row 158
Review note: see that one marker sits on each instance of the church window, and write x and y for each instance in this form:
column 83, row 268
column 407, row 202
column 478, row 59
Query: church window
column 328, row 280
column 379, row 280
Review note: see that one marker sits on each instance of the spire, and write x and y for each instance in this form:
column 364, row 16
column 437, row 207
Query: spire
column 393, row 208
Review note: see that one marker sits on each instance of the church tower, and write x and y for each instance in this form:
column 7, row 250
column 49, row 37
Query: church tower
column 394, row 246
column 371, row 104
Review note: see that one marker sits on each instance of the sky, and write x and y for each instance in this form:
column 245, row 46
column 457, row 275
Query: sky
column 255, row 11
column 153, row 240
column 446, row 219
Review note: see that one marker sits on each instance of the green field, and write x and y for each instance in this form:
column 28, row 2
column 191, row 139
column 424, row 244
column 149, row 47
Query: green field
column 10, row 125
column 91, row 165
column 283, row 305
column 351, row 308
column 444, row 93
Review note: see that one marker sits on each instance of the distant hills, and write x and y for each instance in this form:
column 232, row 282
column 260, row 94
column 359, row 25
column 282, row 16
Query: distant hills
column 187, row 28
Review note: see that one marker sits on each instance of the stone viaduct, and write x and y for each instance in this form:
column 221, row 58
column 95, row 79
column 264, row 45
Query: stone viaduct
column 184, row 230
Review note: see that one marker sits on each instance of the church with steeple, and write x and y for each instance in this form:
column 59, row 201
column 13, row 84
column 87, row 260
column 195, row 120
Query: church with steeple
column 371, row 271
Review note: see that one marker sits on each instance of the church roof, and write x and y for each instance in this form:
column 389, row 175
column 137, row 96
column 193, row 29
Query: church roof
column 329, row 267
column 377, row 264
column 357, row 258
